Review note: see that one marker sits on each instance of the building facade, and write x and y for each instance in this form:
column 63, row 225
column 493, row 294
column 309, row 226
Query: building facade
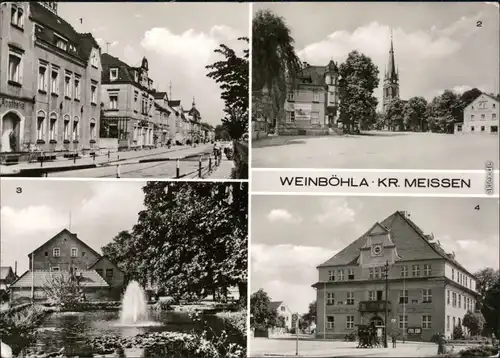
column 283, row 311
column 49, row 83
column 480, row 116
column 428, row 290
column 391, row 80
column 7, row 276
column 312, row 103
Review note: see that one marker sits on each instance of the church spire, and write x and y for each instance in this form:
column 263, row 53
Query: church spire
column 391, row 73
column 194, row 103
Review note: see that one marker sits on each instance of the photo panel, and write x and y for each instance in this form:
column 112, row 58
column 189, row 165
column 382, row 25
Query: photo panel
column 399, row 276
column 375, row 85
column 124, row 268
column 146, row 94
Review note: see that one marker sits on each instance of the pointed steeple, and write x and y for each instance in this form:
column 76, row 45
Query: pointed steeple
column 391, row 73
column 194, row 103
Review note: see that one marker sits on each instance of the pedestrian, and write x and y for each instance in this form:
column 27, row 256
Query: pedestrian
column 441, row 343
column 393, row 341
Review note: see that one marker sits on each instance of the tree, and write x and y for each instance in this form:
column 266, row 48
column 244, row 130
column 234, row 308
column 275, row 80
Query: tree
column 485, row 279
column 358, row 81
column 310, row 316
column 443, row 111
column 63, row 289
column 474, row 322
column 490, row 309
column 468, row 96
column 191, row 238
column 281, row 322
column 414, row 114
column 394, row 115
column 458, row 332
column 262, row 317
column 275, row 64
column 221, row 132
column 232, row 76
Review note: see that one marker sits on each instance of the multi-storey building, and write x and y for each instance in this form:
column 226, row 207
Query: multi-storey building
column 391, row 80
column 49, row 81
column 312, row 103
column 181, row 123
column 428, row 290
column 480, row 116
column 65, row 253
column 194, row 118
column 165, row 118
column 128, row 103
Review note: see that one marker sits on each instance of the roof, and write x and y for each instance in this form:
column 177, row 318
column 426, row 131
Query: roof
column 5, row 271
column 104, row 257
column 273, row 305
column 160, row 95
column 313, row 75
column 175, row 103
column 74, row 236
column 88, row 278
column 405, row 244
column 483, row 94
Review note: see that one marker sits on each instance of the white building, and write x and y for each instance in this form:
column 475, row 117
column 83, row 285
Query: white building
column 480, row 116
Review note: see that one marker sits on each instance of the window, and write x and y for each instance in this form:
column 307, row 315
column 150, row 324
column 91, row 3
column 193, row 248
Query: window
column 113, row 101
column 291, row 96
column 54, row 269
column 17, row 16
column 371, row 271
column 109, row 273
column 330, row 298
column 483, row 117
column 350, row 298
column 426, row 295
column 403, row 296
column 46, row 253
column 113, row 74
column 493, row 105
column 61, row 43
column 494, row 129
column 92, row 129
column 290, row 116
column 371, row 296
column 15, row 67
column 472, row 117
column 482, row 104
column 454, row 299
column 427, row 270
column 77, row 87
column 453, row 274
column 94, row 59
column 74, row 252
column 378, row 272
column 331, row 97
column 331, row 275
column 54, row 80
column 52, row 126
column 459, row 127
column 93, row 93
column 350, row 274
column 136, row 102
column 459, row 301
column 75, row 128
column 83, row 253
column 330, row 322
column 447, row 297
column 459, row 321
column 404, row 271
column 426, row 322
column 403, row 322
column 283, row 309
column 415, row 270
column 447, row 323
column 454, row 322
column 472, row 129
column 482, row 128
column 40, row 124
column 42, row 76
column 66, row 127
column 315, row 96
column 341, row 275
column 56, row 252
column 349, row 322
column 67, row 84
column 314, row 117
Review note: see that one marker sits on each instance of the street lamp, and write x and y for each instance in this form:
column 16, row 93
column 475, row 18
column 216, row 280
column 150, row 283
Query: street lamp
column 297, row 334
column 386, row 273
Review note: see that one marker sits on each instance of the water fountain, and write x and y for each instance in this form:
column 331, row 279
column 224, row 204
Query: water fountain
column 134, row 305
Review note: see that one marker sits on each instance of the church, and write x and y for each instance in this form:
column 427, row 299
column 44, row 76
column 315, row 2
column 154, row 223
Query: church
column 391, row 80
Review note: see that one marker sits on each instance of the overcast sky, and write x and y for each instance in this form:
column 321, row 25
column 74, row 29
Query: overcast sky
column 99, row 210
column 291, row 235
column 437, row 46
column 177, row 39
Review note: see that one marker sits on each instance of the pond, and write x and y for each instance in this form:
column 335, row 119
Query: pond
column 73, row 330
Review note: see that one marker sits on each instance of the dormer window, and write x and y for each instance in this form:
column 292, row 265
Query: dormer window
column 113, row 74
column 61, row 42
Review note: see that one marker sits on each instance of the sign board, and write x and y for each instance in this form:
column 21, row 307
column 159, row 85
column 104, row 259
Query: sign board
column 11, row 103
column 414, row 330
column 303, row 111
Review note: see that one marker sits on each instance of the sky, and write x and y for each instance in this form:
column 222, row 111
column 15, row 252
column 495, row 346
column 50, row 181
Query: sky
column 437, row 45
column 177, row 39
column 99, row 211
column 292, row 235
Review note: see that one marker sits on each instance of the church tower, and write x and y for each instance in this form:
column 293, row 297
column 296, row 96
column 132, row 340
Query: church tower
column 332, row 94
column 391, row 80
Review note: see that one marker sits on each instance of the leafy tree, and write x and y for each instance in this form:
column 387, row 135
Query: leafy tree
column 191, row 238
column 458, row 332
column 262, row 317
column 310, row 316
column 275, row 64
column 490, row 309
column 221, row 132
column 394, row 115
column 281, row 322
column 468, row 96
column 474, row 322
column 358, row 81
column 63, row 289
column 414, row 114
column 443, row 111
column 232, row 76
column 486, row 279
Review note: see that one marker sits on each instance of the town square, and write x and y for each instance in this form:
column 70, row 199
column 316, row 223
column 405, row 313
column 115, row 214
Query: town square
column 389, row 90
column 81, row 93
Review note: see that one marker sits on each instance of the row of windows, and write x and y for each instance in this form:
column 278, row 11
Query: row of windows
column 71, row 131
column 109, row 272
column 403, row 322
column 378, row 272
column 461, row 278
column 493, row 129
column 17, row 16
column 146, row 103
column 56, row 252
column 468, row 303
column 455, row 321
column 426, row 296
column 483, row 105
column 290, row 117
column 340, row 274
column 483, row 117
column 378, row 296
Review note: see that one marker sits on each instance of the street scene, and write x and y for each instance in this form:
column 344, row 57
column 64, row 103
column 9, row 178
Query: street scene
column 99, row 272
column 353, row 91
column 377, row 276
column 89, row 91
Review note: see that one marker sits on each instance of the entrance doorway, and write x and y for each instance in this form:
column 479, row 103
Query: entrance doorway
column 379, row 295
column 378, row 321
column 10, row 140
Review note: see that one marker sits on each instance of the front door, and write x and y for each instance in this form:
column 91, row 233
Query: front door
column 10, row 133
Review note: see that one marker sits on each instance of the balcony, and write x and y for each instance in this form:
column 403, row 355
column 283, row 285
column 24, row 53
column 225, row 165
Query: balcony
column 374, row 306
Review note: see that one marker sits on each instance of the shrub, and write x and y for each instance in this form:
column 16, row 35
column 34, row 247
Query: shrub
column 481, row 351
column 163, row 305
column 458, row 332
column 236, row 320
column 240, row 170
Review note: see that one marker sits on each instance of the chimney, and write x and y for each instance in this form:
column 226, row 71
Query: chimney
column 15, row 268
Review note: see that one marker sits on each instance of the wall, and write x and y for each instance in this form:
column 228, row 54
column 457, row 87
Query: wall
column 491, row 108
column 116, row 281
column 91, row 294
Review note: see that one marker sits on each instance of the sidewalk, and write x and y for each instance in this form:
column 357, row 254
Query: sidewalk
column 89, row 162
column 223, row 171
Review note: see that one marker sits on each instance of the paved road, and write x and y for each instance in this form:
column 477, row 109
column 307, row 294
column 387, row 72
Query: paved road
column 263, row 347
column 378, row 150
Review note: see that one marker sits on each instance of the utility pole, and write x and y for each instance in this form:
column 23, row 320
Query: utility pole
column 33, row 277
column 297, row 335
column 386, row 271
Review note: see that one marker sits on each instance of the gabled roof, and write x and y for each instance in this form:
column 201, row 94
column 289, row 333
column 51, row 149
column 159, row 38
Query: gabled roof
column 404, row 244
column 88, row 278
column 5, row 271
column 104, row 257
column 483, row 94
column 160, row 95
column 74, row 236
column 175, row 103
column 313, row 75
column 273, row 305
